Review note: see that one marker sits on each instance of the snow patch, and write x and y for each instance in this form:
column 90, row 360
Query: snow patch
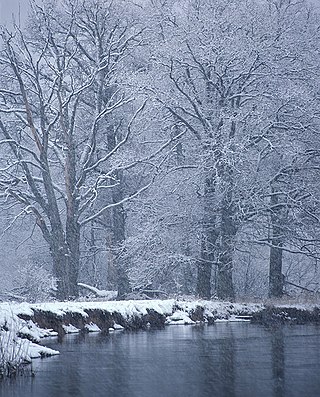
column 70, row 329
column 92, row 327
column 37, row 351
column 118, row 327
column 179, row 318
column 233, row 319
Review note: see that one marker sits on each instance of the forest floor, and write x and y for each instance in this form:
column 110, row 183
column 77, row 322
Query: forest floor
column 23, row 325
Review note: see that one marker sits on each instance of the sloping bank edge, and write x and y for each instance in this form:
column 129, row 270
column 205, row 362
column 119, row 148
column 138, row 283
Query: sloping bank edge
column 34, row 321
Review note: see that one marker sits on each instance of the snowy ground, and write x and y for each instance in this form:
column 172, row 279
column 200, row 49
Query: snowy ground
column 21, row 337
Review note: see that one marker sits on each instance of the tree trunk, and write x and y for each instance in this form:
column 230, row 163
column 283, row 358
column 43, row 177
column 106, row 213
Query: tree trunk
column 225, row 288
column 65, row 251
column 118, row 225
column 275, row 274
column 66, row 260
column 204, row 269
column 208, row 238
column 276, row 252
column 118, row 220
column 59, row 253
column 73, row 244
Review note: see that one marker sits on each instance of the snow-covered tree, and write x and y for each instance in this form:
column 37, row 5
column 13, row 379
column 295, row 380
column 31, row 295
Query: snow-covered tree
column 229, row 68
column 67, row 113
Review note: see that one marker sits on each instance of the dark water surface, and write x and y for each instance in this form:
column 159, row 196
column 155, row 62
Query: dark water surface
column 230, row 360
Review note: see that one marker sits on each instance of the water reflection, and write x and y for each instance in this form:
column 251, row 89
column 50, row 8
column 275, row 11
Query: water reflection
column 224, row 360
column 278, row 361
column 215, row 359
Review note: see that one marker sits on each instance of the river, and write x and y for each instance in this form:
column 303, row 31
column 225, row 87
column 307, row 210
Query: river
column 226, row 359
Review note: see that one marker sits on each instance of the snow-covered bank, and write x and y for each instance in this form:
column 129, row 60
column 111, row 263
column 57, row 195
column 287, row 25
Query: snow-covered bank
column 22, row 326
column 67, row 317
column 19, row 340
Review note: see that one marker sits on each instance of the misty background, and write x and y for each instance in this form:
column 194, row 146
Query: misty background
column 160, row 234
column 10, row 8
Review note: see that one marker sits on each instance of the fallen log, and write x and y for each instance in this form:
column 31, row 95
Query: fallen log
column 100, row 293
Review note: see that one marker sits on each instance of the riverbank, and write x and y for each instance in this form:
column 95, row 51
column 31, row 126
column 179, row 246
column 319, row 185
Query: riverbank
column 23, row 325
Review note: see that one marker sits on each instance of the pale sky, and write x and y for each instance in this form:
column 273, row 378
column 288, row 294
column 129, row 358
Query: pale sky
column 9, row 7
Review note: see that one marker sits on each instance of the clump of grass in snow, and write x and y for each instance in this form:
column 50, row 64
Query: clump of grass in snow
column 13, row 353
